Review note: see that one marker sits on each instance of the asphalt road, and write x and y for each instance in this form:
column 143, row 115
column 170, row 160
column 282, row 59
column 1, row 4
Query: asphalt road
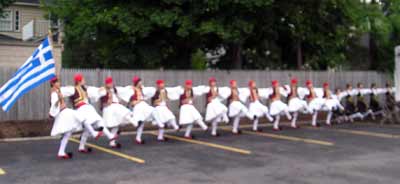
column 351, row 153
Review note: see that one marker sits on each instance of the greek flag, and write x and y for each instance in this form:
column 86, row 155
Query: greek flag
column 39, row 68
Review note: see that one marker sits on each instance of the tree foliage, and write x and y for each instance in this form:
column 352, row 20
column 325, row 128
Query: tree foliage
column 4, row 4
column 256, row 34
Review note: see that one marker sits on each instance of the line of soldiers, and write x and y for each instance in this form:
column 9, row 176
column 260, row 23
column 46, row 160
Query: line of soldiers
column 241, row 103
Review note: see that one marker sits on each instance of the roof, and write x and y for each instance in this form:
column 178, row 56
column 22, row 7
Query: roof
column 8, row 40
column 27, row 2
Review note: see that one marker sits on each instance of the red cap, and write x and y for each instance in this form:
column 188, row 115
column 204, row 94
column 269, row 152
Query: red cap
column 136, row 80
column 108, row 80
column 294, row 81
column 308, row 82
column 275, row 83
column 212, row 79
column 325, row 84
column 78, row 77
column 251, row 82
column 159, row 82
column 53, row 80
column 231, row 82
column 188, row 82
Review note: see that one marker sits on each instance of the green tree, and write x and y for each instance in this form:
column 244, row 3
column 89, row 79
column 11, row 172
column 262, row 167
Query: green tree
column 257, row 34
column 4, row 4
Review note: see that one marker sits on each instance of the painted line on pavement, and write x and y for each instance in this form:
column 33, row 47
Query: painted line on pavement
column 288, row 138
column 213, row 145
column 109, row 151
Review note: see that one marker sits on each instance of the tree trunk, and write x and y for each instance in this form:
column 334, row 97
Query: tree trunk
column 237, row 56
column 299, row 55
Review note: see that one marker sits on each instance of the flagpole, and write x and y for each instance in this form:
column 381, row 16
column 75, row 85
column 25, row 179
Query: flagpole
column 50, row 37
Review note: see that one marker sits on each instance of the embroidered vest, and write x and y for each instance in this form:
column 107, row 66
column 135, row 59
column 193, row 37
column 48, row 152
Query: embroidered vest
column 137, row 96
column 254, row 94
column 293, row 92
column 185, row 98
column 160, row 96
column 80, row 96
column 275, row 94
column 234, row 95
column 311, row 95
column 108, row 98
column 211, row 95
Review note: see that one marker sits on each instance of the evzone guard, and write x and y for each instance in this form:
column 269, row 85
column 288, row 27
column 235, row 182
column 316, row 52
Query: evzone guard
column 215, row 110
column 315, row 103
column 236, row 108
column 350, row 106
column 277, row 107
column 362, row 106
column 114, row 114
column 374, row 102
column 162, row 115
column 295, row 104
column 338, row 111
column 331, row 104
column 142, row 111
column 66, row 120
column 390, row 100
column 80, row 95
column 188, row 114
column 257, row 109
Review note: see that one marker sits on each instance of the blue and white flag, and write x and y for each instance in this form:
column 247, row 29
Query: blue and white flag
column 39, row 68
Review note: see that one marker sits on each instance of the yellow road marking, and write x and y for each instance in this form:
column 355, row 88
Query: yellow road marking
column 366, row 133
column 288, row 138
column 131, row 158
column 218, row 146
column 2, row 172
column 360, row 132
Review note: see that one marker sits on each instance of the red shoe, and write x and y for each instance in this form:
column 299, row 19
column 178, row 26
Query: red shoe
column 139, row 142
column 277, row 129
column 85, row 151
column 117, row 146
column 189, row 137
column 99, row 135
column 295, row 127
column 65, row 157
column 162, row 140
column 316, row 125
column 114, row 138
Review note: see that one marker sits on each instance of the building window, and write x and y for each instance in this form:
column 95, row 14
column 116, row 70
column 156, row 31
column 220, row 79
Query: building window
column 16, row 23
column 6, row 23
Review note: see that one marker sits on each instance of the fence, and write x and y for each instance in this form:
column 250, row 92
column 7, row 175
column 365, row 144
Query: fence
column 35, row 105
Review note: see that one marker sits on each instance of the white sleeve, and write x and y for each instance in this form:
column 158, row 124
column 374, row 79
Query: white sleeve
column 148, row 92
column 224, row 92
column 264, row 93
column 244, row 94
column 174, row 93
column 67, row 91
column 102, row 92
column 54, row 105
column 365, row 91
column 125, row 93
column 302, row 92
column 341, row 95
column 199, row 90
column 283, row 91
column 93, row 93
column 380, row 91
column 319, row 92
